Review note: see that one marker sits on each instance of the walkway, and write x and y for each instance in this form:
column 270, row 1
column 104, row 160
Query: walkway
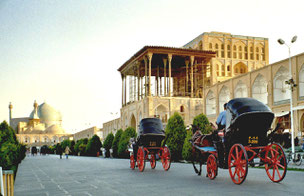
column 49, row 175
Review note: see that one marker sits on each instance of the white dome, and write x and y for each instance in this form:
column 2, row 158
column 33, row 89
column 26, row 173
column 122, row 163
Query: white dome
column 47, row 114
column 54, row 129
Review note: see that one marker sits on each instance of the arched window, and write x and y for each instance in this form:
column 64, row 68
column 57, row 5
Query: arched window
column 301, row 82
column 217, row 50
column 259, row 89
column 222, row 51
column 223, row 70
column 182, row 109
column 246, row 52
column 234, row 51
column 210, row 45
column 240, row 90
column 240, row 52
column 281, row 91
column 251, row 53
column 210, row 103
column 224, row 97
column 216, row 46
column 228, row 51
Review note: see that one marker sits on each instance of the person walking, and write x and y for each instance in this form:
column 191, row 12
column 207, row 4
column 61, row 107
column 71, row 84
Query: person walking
column 59, row 150
column 67, row 151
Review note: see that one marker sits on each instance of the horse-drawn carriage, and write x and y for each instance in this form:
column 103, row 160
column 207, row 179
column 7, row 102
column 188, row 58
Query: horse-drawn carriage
column 148, row 145
column 245, row 140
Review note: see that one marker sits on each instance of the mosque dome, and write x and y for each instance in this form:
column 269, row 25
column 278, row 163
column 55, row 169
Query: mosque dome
column 47, row 114
column 54, row 129
column 35, row 130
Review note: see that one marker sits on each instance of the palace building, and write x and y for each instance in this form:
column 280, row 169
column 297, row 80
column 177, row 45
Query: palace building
column 42, row 127
column 203, row 75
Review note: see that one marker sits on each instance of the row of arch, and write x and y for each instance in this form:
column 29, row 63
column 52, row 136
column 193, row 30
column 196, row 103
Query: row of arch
column 259, row 90
column 44, row 139
column 160, row 111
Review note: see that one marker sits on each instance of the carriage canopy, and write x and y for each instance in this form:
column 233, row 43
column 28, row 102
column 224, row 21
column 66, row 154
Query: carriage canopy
column 151, row 126
column 254, row 110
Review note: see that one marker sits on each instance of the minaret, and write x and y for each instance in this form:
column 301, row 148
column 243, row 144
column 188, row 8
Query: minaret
column 35, row 116
column 10, row 107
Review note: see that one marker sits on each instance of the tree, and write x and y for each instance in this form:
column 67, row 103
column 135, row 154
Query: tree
column 65, row 143
column 80, row 146
column 187, row 147
column 175, row 136
column 124, row 141
column 108, row 144
column 11, row 151
column 94, row 145
column 116, row 142
column 202, row 122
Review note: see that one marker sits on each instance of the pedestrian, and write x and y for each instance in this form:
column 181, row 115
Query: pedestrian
column 67, row 151
column 59, row 150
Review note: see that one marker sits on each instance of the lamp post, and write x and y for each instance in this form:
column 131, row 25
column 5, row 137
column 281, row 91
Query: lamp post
column 292, row 85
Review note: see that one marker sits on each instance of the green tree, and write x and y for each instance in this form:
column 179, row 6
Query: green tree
column 175, row 136
column 80, row 144
column 187, row 147
column 124, row 141
column 202, row 122
column 65, row 143
column 116, row 142
column 108, row 144
column 93, row 146
column 11, row 151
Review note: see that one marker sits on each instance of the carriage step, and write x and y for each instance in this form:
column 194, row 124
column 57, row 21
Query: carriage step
column 206, row 149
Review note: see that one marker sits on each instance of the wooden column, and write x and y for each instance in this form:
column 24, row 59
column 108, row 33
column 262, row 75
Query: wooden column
column 157, row 80
column 146, row 70
column 169, row 60
column 122, row 89
column 150, row 64
column 165, row 76
column 138, row 82
column 191, row 77
column 187, row 77
column 125, row 89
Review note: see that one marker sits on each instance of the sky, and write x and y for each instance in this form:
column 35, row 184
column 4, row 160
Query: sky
column 66, row 53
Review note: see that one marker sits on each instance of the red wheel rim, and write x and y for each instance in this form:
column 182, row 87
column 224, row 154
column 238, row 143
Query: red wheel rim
column 132, row 162
column 152, row 161
column 211, row 167
column 166, row 158
column 238, row 163
column 275, row 165
column 141, row 159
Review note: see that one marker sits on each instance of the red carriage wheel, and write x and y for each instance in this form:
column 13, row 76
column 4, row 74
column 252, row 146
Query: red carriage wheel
column 141, row 159
column 275, row 162
column 132, row 162
column 211, row 167
column 166, row 158
column 238, row 163
column 153, row 161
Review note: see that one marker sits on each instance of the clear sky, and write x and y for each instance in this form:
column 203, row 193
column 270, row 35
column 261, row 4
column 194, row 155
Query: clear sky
column 67, row 52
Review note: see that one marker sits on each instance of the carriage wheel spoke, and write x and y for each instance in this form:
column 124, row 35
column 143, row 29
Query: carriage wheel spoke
column 277, row 169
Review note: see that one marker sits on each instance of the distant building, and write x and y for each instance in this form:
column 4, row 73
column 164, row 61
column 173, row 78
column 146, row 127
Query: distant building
column 42, row 127
column 200, row 77
column 88, row 133
column 235, row 54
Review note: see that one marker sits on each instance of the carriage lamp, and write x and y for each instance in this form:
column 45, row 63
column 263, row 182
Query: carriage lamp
column 292, row 85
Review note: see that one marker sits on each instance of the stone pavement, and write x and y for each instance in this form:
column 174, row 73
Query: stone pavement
column 49, row 175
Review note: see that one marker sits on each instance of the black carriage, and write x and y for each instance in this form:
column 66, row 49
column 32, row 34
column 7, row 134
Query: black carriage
column 245, row 139
column 148, row 145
